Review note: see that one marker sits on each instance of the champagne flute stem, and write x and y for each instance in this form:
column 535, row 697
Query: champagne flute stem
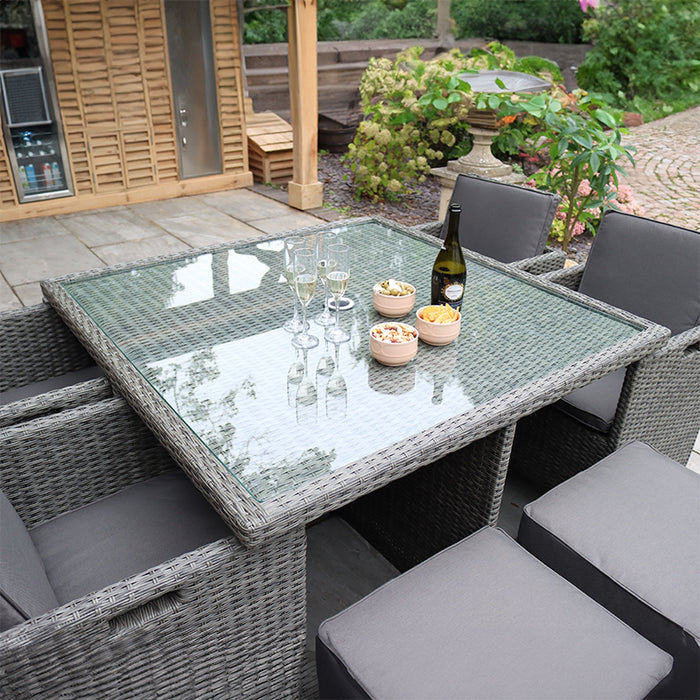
column 337, row 299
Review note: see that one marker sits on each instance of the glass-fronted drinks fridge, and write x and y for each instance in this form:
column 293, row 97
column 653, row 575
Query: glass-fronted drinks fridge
column 30, row 115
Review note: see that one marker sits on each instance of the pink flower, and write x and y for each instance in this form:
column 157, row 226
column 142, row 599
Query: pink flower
column 585, row 4
column 584, row 189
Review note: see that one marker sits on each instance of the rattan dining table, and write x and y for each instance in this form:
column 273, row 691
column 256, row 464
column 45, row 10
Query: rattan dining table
column 195, row 343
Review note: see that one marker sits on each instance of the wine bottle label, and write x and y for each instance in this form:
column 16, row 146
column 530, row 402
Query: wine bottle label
column 453, row 292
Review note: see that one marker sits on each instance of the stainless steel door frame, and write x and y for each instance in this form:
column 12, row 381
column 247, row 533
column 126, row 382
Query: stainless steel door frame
column 190, row 46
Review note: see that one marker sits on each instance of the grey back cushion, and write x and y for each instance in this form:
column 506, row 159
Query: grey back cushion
column 646, row 267
column 25, row 590
column 506, row 222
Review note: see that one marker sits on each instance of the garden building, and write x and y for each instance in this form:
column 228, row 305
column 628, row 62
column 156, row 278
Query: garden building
column 120, row 101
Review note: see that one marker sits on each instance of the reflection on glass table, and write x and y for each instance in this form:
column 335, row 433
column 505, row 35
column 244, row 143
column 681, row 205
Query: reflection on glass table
column 206, row 331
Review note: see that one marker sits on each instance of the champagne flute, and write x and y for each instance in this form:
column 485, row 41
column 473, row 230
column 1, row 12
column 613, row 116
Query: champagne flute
column 305, row 275
column 293, row 325
column 337, row 280
column 323, row 240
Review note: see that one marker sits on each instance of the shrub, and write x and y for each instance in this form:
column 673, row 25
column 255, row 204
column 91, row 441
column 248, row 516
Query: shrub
column 525, row 20
column 416, row 117
column 644, row 52
column 583, row 140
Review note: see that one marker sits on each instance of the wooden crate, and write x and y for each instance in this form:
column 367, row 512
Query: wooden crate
column 270, row 147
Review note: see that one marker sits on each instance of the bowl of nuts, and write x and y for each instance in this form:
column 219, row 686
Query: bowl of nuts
column 392, row 298
column 393, row 343
column 438, row 325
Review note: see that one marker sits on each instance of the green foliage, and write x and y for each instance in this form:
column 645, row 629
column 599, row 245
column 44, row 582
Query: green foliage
column 645, row 55
column 582, row 139
column 265, row 27
column 416, row 117
column 347, row 19
column 413, row 109
column 525, row 20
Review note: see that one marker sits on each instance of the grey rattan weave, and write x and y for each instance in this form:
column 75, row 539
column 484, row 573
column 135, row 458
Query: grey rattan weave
column 223, row 621
column 255, row 521
column 659, row 404
column 35, row 345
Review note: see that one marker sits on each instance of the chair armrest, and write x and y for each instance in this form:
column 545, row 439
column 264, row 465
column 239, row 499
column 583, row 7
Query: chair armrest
column 59, row 462
column 685, row 343
column 223, row 616
column 549, row 260
column 54, row 401
column 432, row 228
column 660, row 398
column 35, row 344
column 569, row 277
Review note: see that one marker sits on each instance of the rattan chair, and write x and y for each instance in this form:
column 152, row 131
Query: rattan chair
column 43, row 367
column 88, row 605
column 507, row 222
column 650, row 269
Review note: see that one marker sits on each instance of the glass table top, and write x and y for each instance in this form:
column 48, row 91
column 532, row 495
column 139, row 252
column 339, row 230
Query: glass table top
column 206, row 332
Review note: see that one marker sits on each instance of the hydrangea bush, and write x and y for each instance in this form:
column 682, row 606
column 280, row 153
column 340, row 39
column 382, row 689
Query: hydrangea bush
column 416, row 115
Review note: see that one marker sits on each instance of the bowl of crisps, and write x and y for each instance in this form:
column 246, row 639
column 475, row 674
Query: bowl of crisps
column 393, row 343
column 392, row 298
column 438, row 325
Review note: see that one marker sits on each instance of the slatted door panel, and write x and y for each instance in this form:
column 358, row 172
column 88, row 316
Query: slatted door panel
column 69, row 97
column 111, row 68
column 227, row 58
column 158, row 94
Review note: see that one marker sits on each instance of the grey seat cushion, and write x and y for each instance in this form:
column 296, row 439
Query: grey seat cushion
column 60, row 382
column 595, row 404
column 627, row 531
column 25, row 590
column 124, row 534
column 506, row 222
column 646, row 267
column 485, row 619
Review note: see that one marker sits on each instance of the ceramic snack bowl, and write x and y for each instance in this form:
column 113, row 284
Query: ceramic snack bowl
column 434, row 333
column 393, row 306
column 392, row 343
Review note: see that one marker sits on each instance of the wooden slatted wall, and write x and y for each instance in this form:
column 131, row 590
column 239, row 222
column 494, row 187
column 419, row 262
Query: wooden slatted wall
column 227, row 59
column 113, row 83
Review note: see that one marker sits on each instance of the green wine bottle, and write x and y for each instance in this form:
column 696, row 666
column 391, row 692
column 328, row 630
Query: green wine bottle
column 449, row 270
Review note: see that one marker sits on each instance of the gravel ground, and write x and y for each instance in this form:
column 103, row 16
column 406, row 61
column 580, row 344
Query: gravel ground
column 421, row 207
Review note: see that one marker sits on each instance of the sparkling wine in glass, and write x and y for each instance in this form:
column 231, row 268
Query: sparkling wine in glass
column 305, row 274
column 337, row 280
column 293, row 325
column 323, row 240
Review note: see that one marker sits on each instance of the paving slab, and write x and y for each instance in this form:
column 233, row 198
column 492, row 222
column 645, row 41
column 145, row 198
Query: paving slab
column 245, row 205
column 140, row 250
column 282, row 224
column 168, row 208
column 8, row 299
column 108, row 226
column 208, row 228
column 29, row 294
column 27, row 261
column 13, row 231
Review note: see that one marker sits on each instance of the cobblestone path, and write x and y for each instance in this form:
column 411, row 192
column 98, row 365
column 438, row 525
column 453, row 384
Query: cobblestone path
column 666, row 176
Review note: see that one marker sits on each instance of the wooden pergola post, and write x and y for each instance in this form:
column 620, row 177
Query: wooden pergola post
column 305, row 191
